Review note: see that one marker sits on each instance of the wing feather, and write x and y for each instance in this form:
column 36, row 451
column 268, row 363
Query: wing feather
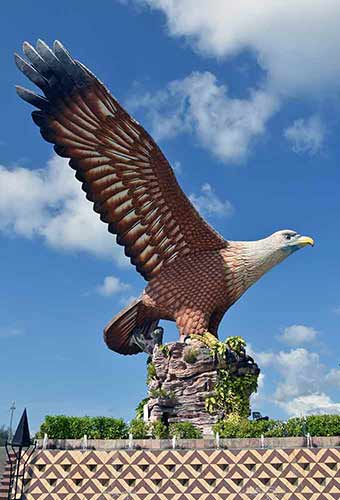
column 122, row 170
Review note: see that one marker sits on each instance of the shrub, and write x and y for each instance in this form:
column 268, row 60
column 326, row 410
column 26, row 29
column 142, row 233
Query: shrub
column 276, row 429
column 139, row 429
column 63, row 427
column 159, row 430
column 323, row 425
column 184, row 430
column 235, row 426
column 295, row 427
column 56, row 426
column 229, row 427
column 113, row 428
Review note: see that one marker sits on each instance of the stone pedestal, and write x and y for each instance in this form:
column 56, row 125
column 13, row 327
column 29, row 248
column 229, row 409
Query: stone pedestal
column 184, row 375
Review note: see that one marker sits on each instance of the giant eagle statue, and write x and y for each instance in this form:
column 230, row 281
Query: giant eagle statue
column 194, row 275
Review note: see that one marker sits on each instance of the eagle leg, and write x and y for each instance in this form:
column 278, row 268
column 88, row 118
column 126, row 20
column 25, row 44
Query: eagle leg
column 215, row 320
column 190, row 322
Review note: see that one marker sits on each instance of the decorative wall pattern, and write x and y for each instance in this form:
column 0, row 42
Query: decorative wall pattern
column 275, row 474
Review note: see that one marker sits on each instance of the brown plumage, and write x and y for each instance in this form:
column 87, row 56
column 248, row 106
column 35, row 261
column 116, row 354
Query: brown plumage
column 194, row 274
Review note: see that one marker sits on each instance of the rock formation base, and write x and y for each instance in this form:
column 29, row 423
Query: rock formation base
column 184, row 376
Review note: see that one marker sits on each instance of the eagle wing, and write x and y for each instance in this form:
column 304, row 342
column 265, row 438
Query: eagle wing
column 121, row 168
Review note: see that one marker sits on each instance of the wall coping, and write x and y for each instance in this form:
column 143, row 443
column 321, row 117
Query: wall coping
column 200, row 444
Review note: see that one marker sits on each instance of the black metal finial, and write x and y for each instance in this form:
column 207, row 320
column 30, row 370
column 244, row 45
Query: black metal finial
column 22, row 437
column 19, row 451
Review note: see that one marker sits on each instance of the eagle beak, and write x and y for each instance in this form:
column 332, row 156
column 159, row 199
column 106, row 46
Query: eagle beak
column 302, row 241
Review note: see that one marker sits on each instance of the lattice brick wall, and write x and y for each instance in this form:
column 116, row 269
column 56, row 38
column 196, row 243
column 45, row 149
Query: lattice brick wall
column 291, row 474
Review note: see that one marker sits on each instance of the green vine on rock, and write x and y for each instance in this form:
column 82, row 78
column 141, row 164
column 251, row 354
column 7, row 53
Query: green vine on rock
column 236, row 344
column 164, row 350
column 231, row 392
column 161, row 393
column 151, row 373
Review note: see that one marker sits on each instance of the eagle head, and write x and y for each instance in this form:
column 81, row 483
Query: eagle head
column 277, row 247
column 258, row 257
column 288, row 241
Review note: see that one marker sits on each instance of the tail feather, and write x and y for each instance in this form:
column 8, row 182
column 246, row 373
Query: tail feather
column 125, row 332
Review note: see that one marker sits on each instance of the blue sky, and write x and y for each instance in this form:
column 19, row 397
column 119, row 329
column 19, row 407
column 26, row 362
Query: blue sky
column 246, row 109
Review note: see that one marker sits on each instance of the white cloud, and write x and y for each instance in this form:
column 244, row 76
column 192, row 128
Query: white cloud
column 312, row 404
column 298, row 334
column 262, row 358
column 301, row 373
column 111, row 286
column 50, row 204
column 258, row 396
column 165, row 110
column 301, row 381
column 209, row 204
column 296, row 43
column 336, row 310
column 333, row 377
column 306, row 135
column 225, row 126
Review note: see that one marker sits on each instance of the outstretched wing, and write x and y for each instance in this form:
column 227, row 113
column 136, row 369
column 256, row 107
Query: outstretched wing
column 122, row 170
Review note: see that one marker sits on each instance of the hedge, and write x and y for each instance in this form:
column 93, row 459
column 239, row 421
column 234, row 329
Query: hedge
column 184, row 430
column 63, row 427
column 315, row 425
column 139, row 429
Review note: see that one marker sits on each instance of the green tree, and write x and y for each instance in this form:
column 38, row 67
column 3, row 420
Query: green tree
column 3, row 435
